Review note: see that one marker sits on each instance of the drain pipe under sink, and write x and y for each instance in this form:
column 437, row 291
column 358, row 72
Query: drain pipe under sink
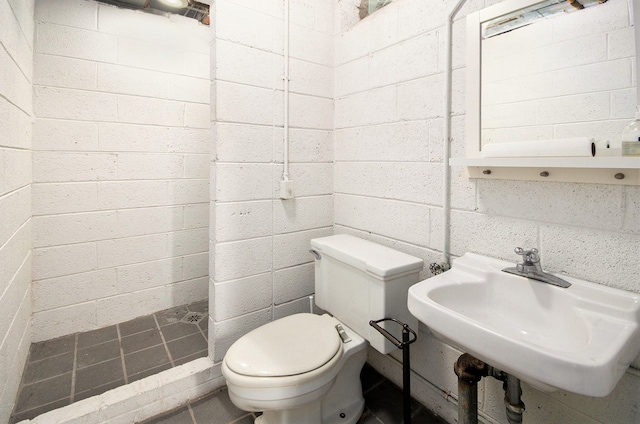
column 470, row 371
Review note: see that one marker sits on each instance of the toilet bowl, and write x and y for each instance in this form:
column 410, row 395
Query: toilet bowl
column 305, row 368
column 298, row 370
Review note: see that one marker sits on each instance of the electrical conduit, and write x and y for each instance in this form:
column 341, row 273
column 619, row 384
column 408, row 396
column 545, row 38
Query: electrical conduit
column 446, row 169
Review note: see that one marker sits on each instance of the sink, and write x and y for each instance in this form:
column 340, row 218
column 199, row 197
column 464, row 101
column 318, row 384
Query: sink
column 580, row 339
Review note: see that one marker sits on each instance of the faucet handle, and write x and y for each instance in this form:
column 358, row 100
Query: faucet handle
column 529, row 257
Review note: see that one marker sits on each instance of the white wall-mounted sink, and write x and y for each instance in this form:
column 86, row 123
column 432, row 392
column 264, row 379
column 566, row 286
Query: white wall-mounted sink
column 580, row 339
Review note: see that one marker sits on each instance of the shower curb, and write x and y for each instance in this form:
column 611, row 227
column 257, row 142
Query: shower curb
column 141, row 399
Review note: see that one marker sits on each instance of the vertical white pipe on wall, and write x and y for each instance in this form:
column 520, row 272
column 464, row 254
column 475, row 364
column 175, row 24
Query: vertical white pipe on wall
column 635, row 10
column 446, row 190
column 285, row 174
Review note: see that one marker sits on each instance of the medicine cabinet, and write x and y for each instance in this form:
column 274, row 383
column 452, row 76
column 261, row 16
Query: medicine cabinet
column 536, row 72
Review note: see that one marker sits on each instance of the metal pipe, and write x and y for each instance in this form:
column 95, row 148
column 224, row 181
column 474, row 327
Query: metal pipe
column 635, row 9
column 446, row 173
column 512, row 400
column 285, row 174
column 470, row 371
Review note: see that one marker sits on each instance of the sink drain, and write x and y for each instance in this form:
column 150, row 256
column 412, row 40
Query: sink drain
column 192, row 318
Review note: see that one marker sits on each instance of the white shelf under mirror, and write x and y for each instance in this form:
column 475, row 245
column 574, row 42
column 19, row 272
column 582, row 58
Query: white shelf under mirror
column 603, row 170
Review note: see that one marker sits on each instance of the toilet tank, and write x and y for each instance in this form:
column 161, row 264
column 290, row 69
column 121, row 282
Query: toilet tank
column 357, row 280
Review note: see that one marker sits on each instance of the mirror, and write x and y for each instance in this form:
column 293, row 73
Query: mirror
column 563, row 75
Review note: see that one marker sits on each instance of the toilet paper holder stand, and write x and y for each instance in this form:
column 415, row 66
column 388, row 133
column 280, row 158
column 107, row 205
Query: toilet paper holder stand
column 407, row 332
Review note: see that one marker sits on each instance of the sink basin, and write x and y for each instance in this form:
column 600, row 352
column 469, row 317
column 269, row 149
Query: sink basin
column 580, row 339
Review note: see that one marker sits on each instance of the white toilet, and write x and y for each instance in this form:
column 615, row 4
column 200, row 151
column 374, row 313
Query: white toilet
column 305, row 368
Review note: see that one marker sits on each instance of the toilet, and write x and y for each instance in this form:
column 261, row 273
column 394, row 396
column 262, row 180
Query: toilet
column 305, row 368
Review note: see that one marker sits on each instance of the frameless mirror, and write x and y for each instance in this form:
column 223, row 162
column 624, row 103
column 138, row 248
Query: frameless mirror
column 542, row 70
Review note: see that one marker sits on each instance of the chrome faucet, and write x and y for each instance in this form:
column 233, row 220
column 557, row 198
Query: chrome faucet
column 531, row 268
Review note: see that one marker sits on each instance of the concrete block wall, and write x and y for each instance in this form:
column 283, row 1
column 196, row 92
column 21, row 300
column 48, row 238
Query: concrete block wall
column 16, row 111
column 540, row 84
column 120, row 165
column 261, row 268
column 388, row 169
column 388, row 188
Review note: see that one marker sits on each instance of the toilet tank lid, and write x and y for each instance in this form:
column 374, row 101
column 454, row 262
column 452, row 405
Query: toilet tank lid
column 378, row 260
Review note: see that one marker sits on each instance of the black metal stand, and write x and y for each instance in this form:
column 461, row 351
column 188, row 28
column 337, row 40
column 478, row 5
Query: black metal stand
column 406, row 359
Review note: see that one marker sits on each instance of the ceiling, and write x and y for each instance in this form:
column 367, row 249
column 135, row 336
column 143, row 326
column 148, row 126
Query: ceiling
column 198, row 10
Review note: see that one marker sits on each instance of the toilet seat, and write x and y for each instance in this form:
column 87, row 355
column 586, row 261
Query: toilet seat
column 294, row 345
column 279, row 397
column 305, row 381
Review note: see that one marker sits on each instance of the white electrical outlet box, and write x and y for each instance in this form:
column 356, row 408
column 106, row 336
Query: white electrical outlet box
column 286, row 189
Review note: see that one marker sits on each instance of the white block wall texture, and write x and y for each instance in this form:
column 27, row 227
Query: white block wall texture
column 388, row 164
column 121, row 226
column 538, row 83
column 120, row 165
column 16, row 111
column 259, row 243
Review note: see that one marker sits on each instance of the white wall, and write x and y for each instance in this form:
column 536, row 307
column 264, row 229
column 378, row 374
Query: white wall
column 120, row 166
column 388, row 163
column 259, row 244
column 16, row 75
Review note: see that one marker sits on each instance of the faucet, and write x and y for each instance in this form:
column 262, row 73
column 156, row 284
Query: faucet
column 531, row 268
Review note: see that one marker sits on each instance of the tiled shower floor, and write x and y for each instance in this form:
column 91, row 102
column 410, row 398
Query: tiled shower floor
column 64, row 370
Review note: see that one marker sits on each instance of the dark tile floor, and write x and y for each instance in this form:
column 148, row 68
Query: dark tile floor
column 64, row 370
column 383, row 405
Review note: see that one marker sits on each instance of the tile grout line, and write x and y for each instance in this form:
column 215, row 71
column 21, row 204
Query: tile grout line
column 74, row 369
column 164, row 342
column 124, row 365
column 193, row 416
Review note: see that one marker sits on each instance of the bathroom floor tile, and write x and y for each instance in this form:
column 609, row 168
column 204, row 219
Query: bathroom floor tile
column 141, row 341
column 137, row 325
column 97, row 357
column 52, row 347
column 202, row 307
column 171, row 316
column 32, row 413
column 426, row 417
column 97, row 390
column 178, row 330
column 181, row 416
column 48, row 368
column 98, row 353
column 44, row 392
column 146, row 359
column 370, row 378
column 368, row 418
column 99, row 375
column 204, row 325
column 186, row 346
column 385, row 401
column 189, row 358
column 216, row 408
column 95, row 337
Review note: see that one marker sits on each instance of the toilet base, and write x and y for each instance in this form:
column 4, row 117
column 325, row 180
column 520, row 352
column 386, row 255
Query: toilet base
column 343, row 403
column 312, row 414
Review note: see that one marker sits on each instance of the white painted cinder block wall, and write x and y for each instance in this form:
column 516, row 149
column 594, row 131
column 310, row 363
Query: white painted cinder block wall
column 120, row 165
column 261, row 268
column 16, row 110
column 388, row 162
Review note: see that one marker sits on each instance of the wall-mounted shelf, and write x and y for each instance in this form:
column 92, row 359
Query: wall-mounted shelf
column 602, row 170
